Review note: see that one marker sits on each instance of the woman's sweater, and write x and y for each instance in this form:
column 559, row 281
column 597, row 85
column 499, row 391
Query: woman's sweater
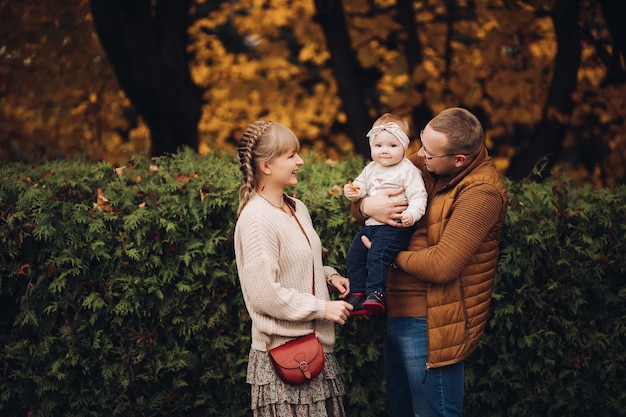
column 275, row 264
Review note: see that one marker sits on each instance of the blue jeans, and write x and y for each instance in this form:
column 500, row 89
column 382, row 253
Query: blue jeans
column 412, row 390
column 368, row 268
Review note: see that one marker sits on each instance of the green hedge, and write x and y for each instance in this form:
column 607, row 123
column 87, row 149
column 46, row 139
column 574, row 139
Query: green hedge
column 119, row 294
column 556, row 341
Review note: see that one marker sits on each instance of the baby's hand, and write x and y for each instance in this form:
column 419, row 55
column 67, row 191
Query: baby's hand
column 407, row 219
column 351, row 191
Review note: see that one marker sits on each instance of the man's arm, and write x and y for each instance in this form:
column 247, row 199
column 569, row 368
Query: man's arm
column 475, row 213
column 380, row 207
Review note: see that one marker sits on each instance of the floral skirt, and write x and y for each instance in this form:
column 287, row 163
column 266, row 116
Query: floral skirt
column 271, row 397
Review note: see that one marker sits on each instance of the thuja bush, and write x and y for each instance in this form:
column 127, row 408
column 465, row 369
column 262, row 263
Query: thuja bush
column 119, row 294
column 556, row 340
column 121, row 290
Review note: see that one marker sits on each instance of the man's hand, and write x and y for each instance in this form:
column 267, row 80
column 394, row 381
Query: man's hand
column 383, row 208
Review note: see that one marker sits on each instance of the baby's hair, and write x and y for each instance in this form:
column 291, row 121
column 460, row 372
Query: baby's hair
column 403, row 123
column 261, row 141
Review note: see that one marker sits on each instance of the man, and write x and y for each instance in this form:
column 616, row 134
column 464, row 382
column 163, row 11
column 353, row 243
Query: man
column 439, row 288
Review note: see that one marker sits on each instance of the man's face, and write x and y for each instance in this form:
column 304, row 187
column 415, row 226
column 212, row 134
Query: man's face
column 436, row 157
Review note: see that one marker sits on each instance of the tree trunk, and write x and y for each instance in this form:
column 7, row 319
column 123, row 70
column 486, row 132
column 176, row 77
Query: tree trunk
column 413, row 51
column 550, row 134
column 348, row 72
column 146, row 46
column 614, row 13
column 412, row 45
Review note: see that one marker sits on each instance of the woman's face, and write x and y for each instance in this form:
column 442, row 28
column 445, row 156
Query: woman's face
column 284, row 169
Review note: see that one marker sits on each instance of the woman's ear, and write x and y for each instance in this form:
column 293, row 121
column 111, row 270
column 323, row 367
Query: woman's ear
column 266, row 168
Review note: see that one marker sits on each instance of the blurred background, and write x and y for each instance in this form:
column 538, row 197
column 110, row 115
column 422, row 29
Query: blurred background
column 104, row 79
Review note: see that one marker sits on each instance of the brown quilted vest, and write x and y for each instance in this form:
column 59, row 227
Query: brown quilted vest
column 458, row 311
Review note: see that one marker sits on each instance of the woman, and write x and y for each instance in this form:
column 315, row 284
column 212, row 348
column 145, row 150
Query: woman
column 279, row 259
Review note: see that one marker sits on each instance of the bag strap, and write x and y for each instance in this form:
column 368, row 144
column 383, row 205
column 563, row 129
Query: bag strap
column 293, row 213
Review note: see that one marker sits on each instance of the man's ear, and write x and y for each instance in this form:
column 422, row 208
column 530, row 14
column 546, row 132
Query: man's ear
column 460, row 160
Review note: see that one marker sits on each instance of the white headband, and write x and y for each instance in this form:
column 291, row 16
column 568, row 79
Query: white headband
column 392, row 128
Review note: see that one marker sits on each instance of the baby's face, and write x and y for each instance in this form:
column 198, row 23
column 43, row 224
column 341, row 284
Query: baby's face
column 386, row 149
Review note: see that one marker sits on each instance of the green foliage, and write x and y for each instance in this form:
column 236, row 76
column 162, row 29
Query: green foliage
column 119, row 294
column 556, row 340
column 124, row 301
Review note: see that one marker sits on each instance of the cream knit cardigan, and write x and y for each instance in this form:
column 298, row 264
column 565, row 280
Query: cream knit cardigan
column 275, row 266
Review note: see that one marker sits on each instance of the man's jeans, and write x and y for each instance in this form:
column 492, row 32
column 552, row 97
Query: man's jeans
column 413, row 392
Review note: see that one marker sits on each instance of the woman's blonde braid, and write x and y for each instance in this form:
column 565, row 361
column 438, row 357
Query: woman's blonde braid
column 247, row 160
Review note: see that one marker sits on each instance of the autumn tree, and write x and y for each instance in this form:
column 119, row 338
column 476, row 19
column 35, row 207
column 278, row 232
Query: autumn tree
column 614, row 13
column 348, row 72
column 58, row 98
column 547, row 141
column 208, row 68
column 146, row 43
column 414, row 54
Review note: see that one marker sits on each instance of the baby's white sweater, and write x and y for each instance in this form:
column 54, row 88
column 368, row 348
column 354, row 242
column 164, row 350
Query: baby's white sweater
column 376, row 177
column 275, row 265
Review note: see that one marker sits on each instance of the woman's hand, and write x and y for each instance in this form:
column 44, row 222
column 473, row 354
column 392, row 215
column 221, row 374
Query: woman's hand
column 342, row 284
column 383, row 208
column 337, row 311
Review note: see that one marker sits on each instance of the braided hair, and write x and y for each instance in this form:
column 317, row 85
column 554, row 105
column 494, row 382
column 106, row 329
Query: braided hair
column 261, row 141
